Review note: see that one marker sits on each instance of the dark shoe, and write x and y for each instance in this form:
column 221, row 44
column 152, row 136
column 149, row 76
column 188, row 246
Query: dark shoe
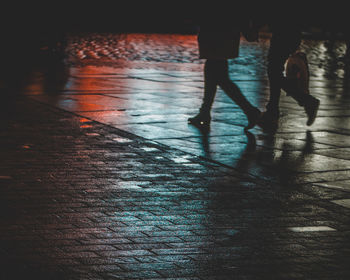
column 253, row 118
column 311, row 109
column 200, row 120
column 269, row 120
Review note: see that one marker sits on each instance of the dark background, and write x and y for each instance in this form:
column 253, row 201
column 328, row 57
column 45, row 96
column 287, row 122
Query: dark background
column 28, row 26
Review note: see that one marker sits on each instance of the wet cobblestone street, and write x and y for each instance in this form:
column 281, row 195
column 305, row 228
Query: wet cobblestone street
column 102, row 178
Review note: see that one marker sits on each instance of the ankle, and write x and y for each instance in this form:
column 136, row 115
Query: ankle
column 204, row 112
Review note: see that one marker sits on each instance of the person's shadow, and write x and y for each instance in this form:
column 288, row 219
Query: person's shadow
column 204, row 133
column 274, row 158
column 37, row 73
column 55, row 74
column 271, row 157
column 207, row 152
column 253, row 211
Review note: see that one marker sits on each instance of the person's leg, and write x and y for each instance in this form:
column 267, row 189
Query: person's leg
column 292, row 90
column 210, row 86
column 298, row 89
column 282, row 45
column 233, row 91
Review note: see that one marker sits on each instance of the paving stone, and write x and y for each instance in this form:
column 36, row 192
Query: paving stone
column 342, row 202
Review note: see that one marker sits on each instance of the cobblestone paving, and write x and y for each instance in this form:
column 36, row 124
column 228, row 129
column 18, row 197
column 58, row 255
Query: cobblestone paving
column 82, row 197
column 81, row 200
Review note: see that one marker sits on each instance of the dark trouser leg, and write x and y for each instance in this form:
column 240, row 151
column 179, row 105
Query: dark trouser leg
column 300, row 97
column 233, row 91
column 281, row 47
column 230, row 88
column 216, row 74
column 203, row 119
column 210, row 86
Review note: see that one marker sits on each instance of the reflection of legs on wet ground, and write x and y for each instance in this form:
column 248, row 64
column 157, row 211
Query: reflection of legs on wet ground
column 216, row 74
column 281, row 47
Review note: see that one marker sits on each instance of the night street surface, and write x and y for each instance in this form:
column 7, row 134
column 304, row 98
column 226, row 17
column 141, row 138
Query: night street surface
column 102, row 178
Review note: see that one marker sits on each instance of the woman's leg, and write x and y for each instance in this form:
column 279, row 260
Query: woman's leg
column 216, row 73
column 281, row 47
column 234, row 92
column 210, row 86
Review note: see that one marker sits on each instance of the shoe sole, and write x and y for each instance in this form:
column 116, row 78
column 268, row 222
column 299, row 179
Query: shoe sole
column 201, row 125
column 312, row 119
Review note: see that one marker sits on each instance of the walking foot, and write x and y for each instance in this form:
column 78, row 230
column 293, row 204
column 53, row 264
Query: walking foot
column 253, row 118
column 200, row 120
column 311, row 109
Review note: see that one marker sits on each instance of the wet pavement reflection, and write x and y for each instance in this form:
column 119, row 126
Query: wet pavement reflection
column 113, row 183
column 149, row 84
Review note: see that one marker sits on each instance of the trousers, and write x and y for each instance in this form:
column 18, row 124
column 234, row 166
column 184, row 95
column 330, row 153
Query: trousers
column 216, row 74
column 282, row 45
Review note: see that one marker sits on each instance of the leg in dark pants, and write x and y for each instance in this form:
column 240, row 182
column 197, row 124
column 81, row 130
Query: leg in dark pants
column 216, row 74
column 210, row 85
column 282, row 45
